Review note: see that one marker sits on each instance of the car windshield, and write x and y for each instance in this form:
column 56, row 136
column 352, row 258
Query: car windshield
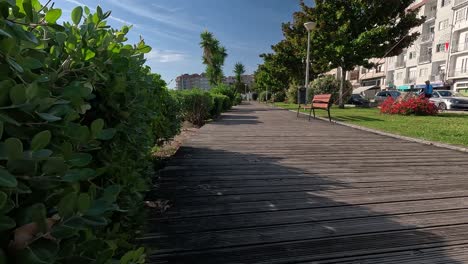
column 445, row 93
column 393, row 93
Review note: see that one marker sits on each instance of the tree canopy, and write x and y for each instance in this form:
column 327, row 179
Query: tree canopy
column 214, row 56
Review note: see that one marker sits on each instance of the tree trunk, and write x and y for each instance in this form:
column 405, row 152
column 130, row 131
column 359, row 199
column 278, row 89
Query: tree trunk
column 342, row 81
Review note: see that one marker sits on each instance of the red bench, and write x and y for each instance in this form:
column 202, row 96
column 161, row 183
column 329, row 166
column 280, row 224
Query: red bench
column 320, row 101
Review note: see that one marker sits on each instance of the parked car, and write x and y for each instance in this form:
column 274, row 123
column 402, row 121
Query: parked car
column 380, row 97
column 449, row 100
column 358, row 100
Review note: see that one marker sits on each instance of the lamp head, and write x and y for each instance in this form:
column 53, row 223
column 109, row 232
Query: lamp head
column 310, row 26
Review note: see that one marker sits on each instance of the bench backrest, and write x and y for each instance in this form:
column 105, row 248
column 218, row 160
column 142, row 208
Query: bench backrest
column 321, row 101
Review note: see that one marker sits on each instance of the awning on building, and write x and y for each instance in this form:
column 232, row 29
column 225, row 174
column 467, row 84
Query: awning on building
column 364, row 88
column 434, row 84
column 404, row 87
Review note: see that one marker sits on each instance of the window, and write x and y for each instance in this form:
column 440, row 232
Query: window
column 440, row 47
column 444, row 3
column 399, row 76
column 460, row 15
column 443, row 24
column 423, row 72
column 364, row 70
column 412, row 55
column 378, row 68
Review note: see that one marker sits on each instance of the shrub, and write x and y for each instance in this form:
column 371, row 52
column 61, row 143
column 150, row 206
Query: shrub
column 409, row 106
column 254, row 96
column 196, row 105
column 225, row 90
column 328, row 84
column 291, row 94
column 264, row 95
column 79, row 115
column 279, row 97
column 237, row 99
column 220, row 104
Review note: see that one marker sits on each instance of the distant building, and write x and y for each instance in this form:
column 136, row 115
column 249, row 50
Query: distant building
column 247, row 79
column 191, row 81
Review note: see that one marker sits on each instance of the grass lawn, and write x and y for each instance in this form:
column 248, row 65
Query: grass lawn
column 446, row 128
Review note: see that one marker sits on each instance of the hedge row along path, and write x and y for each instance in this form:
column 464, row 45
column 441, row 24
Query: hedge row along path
column 261, row 186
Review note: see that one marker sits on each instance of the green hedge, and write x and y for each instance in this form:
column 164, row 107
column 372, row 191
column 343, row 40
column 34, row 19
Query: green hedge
column 221, row 103
column 196, row 105
column 79, row 114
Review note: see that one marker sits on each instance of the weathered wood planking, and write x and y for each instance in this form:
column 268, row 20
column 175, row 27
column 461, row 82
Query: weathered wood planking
column 262, row 186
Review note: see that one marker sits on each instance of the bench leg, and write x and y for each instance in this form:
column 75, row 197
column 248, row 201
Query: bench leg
column 329, row 117
column 314, row 113
column 299, row 108
column 310, row 112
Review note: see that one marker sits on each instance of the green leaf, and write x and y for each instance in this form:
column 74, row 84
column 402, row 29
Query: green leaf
column 6, row 223
column 89, row 54
column 94, row 220
column 53, row 15
column 41, row 140
column 32, row 63
column 80, row 159
column 111, row 193
column 15, row 66
column 76, row 15
column 28, row 9
column 55, row 165
column 84, row 202
column 18, row 94
column 5, row 34
column 6, row 118
column 3, row 199
column 107, row 134
column 49, row 117
column 76, row 175
column 86, row 10
column 38, row 213
column 61, row 37
column 97, row 126
column 14, row 148
column 67, row 204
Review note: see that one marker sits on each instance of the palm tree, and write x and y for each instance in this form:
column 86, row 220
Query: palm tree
column 214, row 56
column 239, row 70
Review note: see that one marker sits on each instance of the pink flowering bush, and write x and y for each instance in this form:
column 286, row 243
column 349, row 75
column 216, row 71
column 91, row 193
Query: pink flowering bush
column 410, row 106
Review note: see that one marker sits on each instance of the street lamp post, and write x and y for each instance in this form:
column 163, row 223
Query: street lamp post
column 309, row 26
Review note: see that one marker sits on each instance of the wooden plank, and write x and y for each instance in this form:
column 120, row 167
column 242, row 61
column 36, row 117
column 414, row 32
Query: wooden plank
column 260, row 186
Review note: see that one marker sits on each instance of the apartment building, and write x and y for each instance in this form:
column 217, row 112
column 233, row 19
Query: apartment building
column 427, row 58
column 191, row 81
column 458, row 59
column 246, row 79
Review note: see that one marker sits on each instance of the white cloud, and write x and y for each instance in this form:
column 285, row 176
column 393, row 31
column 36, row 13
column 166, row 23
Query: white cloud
column 163, row 15
column 165, row 56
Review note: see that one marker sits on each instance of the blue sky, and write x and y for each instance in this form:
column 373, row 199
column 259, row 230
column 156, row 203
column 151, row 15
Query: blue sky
column 172, row 28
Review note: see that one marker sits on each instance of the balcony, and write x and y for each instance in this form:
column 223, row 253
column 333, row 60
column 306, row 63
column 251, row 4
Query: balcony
column 459, row 2
column 430, row 15
column 459, row 72
column 436, row 78
column 400, row 64
column 410, row 79
column 425, row 58
column 427, row 37
column 460, row 47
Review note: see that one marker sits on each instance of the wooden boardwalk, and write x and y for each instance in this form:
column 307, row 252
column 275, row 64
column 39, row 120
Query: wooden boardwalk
column 261, row 186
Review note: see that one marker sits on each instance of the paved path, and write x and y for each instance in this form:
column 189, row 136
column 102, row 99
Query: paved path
column 260, row 186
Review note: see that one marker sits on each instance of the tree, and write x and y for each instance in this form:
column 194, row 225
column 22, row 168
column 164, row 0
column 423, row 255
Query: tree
column 239, row 69
column 287, row 64
column 214, row 56
column 351, row 32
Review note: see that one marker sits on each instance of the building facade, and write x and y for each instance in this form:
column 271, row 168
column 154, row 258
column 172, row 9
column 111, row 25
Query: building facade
column 191, row 81
column 458, row 58
column 246, row 79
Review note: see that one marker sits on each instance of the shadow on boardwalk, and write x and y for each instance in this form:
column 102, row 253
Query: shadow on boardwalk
column 274, row 204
